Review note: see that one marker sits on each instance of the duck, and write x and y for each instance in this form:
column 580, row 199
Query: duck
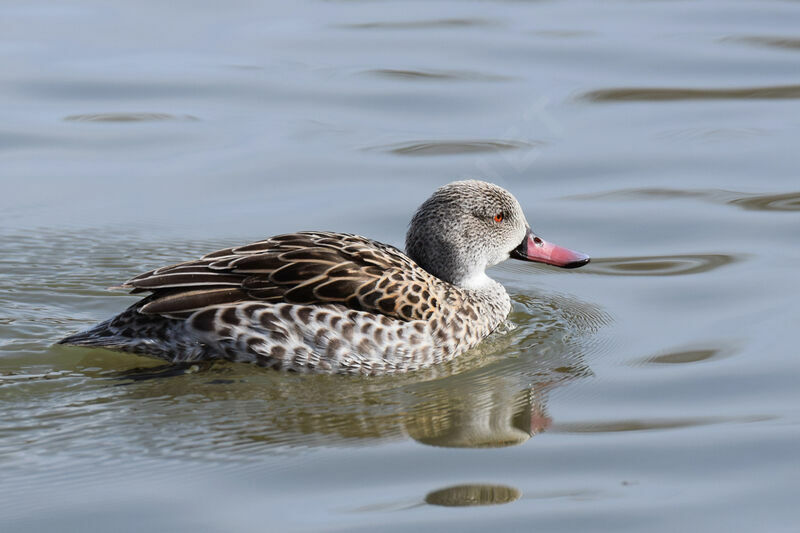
column 339, row 303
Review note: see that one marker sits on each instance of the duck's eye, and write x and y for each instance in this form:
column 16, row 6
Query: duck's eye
column 498, row 217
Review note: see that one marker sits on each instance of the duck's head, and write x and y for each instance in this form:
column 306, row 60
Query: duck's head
column 468, row 226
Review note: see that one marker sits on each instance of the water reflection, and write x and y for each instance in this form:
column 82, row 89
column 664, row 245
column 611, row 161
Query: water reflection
column 488, row 417
column 452, row 147
column 659, row 265
column 656, row 94
column 472, row 495
column 493, row 397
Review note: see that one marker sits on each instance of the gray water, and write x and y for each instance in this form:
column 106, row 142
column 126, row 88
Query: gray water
column 654, row 390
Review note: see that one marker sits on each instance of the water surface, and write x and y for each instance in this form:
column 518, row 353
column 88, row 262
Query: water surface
column 655, row 389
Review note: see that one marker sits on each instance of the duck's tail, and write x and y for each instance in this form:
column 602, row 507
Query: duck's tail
column 132, row 331
column 109, row 333
column 98, row 335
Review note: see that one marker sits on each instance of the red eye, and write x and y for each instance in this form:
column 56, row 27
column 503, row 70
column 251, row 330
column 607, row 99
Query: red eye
column 498, row 217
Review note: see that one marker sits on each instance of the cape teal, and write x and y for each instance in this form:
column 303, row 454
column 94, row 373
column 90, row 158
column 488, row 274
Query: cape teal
column 318, row 301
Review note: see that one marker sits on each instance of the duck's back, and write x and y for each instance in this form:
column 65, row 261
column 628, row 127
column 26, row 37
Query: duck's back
column 297, row 268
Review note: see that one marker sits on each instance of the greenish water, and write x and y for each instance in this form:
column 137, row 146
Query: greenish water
column 655, row 389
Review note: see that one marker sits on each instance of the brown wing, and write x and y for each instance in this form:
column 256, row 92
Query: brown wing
column 302, row 268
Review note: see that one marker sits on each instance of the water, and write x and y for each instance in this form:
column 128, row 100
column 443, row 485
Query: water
column 655, row 389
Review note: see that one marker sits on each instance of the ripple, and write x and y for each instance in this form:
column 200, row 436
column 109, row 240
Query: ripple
column 789, row 201
column 769, row 202
column 562, row 34
column 614, row 426
column 687, row 356
column 473, row 495
column 691, row 354
column 791, row 43
column 422, row 24
column 658, row 94
column 650, row 192
column 712, row 134
column 658, row 265
column 434, row 75
column 582, row 316
column 454, row 147
column 127, row 117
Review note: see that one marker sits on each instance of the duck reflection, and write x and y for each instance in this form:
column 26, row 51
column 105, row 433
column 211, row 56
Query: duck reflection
column 485, row 418
column 494, row 396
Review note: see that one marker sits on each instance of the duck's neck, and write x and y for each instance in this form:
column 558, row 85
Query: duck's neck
column 490, row 297
column 464, row 284
column 477, row 281
column 480, row 307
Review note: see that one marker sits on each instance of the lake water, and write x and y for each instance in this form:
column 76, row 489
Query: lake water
column 656, row 389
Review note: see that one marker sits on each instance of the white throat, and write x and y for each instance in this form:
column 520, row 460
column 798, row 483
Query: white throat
column 477, row 281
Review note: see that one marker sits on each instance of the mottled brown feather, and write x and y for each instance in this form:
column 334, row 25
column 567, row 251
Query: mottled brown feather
column 306, row 267
column 170, row 302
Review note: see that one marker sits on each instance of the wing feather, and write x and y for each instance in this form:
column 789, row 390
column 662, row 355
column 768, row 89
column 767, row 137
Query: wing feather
column 190, row 300
column 305, row 267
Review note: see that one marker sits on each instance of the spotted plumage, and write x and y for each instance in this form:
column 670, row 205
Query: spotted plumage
column 333, row 302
